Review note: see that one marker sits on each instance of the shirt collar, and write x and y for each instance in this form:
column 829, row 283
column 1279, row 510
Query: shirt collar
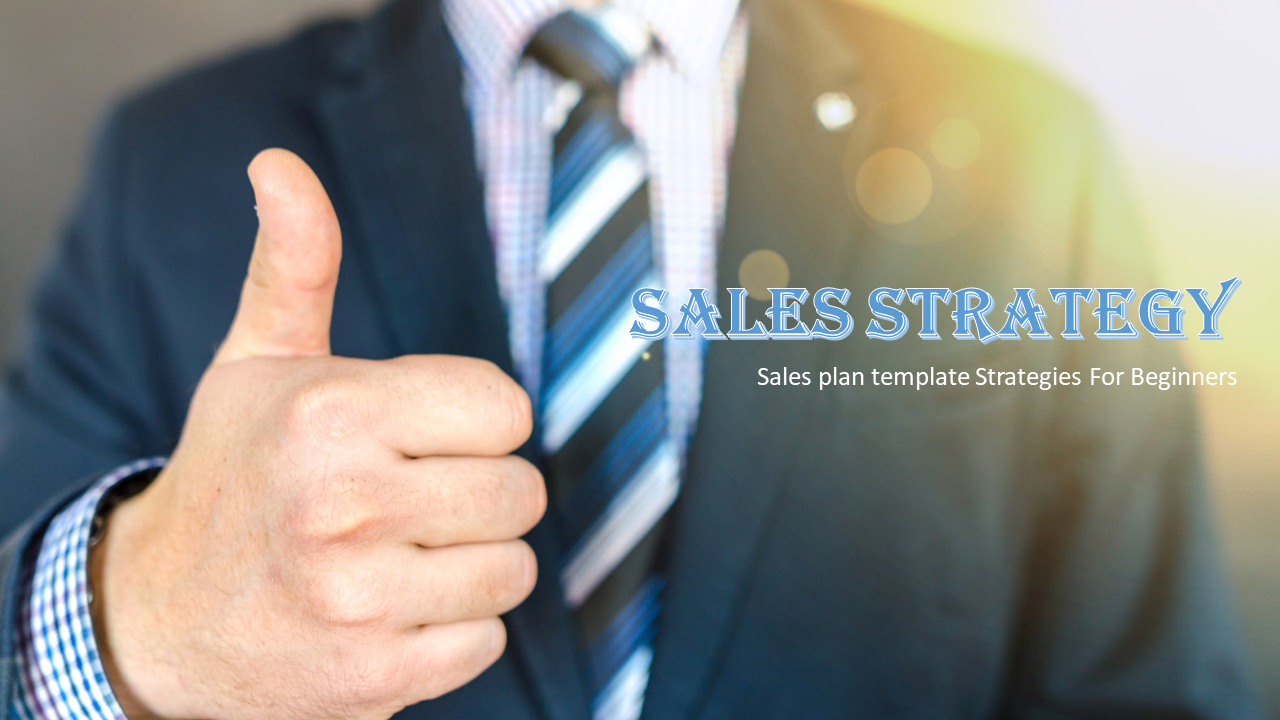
column 691, row 32
column 491, row 34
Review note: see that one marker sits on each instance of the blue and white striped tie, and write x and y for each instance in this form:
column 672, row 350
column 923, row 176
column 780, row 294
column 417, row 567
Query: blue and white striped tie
column 613, row 467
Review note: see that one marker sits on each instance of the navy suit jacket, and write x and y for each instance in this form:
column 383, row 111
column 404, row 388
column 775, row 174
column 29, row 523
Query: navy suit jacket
column 868, row 552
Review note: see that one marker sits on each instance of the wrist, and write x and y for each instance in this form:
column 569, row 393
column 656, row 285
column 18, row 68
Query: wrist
column 108, row 566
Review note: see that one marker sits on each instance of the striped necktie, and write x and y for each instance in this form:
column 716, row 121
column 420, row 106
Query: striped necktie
column 613, row 468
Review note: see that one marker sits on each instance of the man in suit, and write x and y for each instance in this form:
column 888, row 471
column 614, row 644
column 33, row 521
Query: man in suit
column 338, row 537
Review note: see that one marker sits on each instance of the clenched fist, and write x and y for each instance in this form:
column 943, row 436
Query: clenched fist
column 332, row 538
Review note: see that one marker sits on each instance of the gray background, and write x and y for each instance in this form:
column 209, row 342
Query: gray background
column 61, row 61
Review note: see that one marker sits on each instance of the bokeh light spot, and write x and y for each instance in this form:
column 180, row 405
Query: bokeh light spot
column 956, row 143
column 834, row 110
column 761, row 270
column 894, row 185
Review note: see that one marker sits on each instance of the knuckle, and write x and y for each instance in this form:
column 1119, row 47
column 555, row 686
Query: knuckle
column 327, row 406
column 340, row 600
column 337, row 511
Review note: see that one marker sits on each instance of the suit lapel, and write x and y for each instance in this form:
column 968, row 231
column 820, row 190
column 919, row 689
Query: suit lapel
column 785, row 194
column 403, row 142
column 404, row 146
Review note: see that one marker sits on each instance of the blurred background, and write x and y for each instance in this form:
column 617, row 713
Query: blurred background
column 1188, row 88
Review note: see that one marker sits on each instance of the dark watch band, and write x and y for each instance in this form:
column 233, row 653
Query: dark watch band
column 118, row 493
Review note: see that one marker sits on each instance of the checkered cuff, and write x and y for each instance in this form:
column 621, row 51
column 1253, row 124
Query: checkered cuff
column 59, row 672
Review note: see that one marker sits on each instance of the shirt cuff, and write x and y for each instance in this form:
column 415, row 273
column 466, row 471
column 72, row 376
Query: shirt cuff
column 59, row 670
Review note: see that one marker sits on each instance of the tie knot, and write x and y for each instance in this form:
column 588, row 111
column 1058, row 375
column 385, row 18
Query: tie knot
column 595, row 48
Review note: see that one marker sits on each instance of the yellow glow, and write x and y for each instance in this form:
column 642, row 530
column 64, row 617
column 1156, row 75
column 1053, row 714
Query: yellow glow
column 761, row 270
column 894, row 185
column 955, row 143
column 1185, row 89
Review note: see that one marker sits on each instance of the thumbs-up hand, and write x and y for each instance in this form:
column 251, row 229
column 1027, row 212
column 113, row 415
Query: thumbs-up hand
column 332, row 538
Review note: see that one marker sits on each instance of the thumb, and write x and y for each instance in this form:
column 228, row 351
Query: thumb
column 287, row 298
